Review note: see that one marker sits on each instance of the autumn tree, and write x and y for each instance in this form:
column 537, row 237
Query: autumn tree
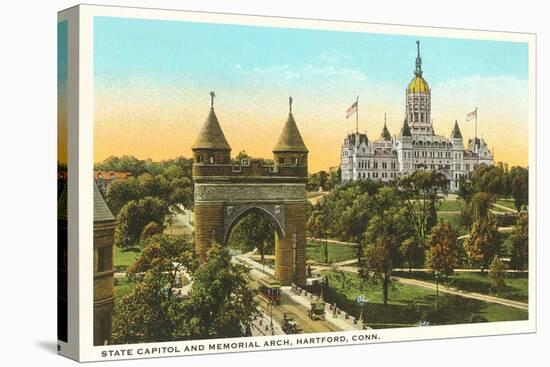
column 520, row 243
column 483, row 243
column 151, row 229
column 443, row 253
column 484, row 240
column 497, row 274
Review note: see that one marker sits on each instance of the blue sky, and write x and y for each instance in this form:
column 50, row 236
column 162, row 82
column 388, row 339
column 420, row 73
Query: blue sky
column 153, row 78
column 135, row 47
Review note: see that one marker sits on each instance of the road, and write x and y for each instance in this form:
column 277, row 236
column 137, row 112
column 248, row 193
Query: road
column 306, row 324
column 300, row 312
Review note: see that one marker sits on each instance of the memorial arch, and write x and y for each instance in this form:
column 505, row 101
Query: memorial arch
column 226, row 190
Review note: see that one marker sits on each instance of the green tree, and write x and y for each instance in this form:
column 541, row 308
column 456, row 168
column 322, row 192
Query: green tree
column 124, row 163
column 490, row 179
column 181, row 192
column 318, row 225
column 497, row 274
column 465, row 189
column 413, row 250
column 353, row 220
column 221, row 304
column 122, row 191
column 480, row 206
column 520, row 187
column 155, row 186
column 421, row 194
column 253, row 231
column 151, row 312
column 443, row 253
column 134, row 216
column 520, row 243
column 318, row 181
column 387, row 229
column 334, row 179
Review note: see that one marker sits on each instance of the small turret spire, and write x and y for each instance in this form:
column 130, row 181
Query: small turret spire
column 212, row 95
column 418, row 69
column 290, row 99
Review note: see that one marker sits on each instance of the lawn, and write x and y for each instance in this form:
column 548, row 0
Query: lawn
column 507, row 203
column 125, row 257
column 450, row 206
column 336, row 252
column 408, row 305
column 454, row 220
column 517, row 284
column 122, row 287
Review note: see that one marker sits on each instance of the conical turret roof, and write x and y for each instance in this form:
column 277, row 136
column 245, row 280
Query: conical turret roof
column 290, row 139
column 456, row 134
column 405, row 130
column 385, row 135
column 102, row 213
column 211, row 135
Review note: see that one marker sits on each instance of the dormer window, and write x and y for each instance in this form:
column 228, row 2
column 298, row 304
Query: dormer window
column 295, row 161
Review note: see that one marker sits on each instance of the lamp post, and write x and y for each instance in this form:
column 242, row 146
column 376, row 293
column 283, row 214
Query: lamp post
column 362, row 301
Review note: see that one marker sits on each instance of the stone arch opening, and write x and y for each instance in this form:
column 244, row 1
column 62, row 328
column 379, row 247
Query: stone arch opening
column 275, row 223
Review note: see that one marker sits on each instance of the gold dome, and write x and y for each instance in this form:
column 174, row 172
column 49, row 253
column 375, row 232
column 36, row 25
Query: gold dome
column 418, row 85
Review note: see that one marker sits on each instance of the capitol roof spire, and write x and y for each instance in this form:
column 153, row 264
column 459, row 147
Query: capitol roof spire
column 385, row 135
column 456, row 134
column 418, row 69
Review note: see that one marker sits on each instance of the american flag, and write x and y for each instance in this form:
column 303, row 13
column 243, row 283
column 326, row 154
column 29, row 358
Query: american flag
column 352, row 109
column 471, row 115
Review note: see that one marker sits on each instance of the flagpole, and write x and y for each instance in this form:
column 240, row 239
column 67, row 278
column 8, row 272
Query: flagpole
column 475, row 141
column 357, row 116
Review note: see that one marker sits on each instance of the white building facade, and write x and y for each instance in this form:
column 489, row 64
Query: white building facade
column 416, row 147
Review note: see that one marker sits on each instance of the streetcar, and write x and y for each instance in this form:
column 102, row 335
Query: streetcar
column 270, row 290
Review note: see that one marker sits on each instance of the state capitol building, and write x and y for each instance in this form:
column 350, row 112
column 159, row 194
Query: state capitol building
column 416, row 147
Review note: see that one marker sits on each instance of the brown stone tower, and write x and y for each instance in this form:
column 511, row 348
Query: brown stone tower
column 104, row 281
column 290, row 155
column 226, row 190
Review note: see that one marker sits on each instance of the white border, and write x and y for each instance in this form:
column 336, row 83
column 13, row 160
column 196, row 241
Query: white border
column 86, row 104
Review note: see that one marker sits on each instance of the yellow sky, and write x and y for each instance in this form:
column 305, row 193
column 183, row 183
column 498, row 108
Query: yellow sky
column 163, row 122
